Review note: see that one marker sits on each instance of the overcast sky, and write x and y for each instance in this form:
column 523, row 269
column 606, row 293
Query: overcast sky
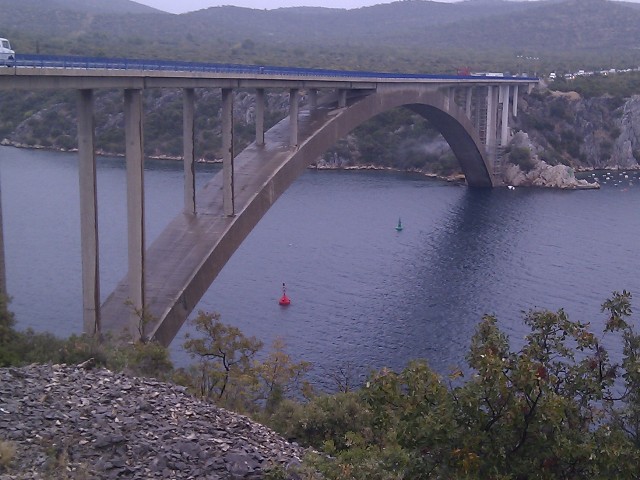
column 182, row 6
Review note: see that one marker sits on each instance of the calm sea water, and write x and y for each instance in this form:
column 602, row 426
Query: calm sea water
column 363, row 295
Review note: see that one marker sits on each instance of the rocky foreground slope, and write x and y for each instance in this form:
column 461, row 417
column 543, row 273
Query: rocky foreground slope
column 68, row 422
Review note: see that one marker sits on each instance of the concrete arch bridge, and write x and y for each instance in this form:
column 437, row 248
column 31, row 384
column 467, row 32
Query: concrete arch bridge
column 167, row 279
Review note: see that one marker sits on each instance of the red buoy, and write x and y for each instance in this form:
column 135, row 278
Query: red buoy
column 284, row 300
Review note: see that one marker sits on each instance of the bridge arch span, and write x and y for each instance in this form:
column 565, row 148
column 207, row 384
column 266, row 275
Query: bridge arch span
column 188, row 255
column 442, row 113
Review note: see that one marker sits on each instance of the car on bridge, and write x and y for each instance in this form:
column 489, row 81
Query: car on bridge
column 7, row 56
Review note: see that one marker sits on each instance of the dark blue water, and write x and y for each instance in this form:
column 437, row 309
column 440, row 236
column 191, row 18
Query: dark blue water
column 363, row 295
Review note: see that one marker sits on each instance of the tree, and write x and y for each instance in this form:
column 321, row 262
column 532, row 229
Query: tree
column 224, row 356
column 558, row 407
column 279, row 376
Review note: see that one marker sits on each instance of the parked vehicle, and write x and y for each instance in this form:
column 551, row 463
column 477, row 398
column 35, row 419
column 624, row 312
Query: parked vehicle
column 7, row 56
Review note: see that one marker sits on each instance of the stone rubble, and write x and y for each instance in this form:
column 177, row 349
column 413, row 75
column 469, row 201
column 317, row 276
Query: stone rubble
column 69, row 422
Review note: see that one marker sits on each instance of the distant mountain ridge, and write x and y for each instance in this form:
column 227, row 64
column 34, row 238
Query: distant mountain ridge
column 406, row 35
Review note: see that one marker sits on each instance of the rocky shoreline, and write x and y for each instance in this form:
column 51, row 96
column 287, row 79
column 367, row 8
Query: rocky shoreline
column 543, row 176
column 60, row 421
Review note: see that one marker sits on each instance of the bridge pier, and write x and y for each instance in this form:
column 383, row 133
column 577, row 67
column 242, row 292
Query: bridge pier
column 88, row 213
column 227, row 152
column 504, row 134
column 294, row 108
column 342, row 98
column 188, row 145
column 491, row 119
column 134, row 153
column 3, row 267
column 259, row 112
column 313, row 99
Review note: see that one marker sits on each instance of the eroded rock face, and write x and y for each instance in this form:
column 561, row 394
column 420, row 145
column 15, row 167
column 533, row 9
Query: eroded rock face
column 67, row 422
column 542, row 174
column 587, row 133
column 627, row 146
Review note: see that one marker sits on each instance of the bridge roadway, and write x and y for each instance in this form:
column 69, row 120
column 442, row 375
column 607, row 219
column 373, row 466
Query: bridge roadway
column 166, row 280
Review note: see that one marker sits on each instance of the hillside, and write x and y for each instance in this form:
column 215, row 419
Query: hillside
column 411, row 35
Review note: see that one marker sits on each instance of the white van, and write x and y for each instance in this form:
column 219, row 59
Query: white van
column 7, row 56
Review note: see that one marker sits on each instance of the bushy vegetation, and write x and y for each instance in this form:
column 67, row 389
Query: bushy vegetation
column 557, row 408
column 560, row 406
column 521, row 156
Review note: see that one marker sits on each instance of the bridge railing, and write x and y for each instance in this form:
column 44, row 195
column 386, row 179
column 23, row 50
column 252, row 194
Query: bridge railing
column 77, row 62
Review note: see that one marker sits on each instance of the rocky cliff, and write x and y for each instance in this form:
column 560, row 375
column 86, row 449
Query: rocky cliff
column 59, row 421
column 566, row 132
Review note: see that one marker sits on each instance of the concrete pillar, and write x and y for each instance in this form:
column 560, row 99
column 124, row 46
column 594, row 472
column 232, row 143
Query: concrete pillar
column 504, row 134
column 480, row 102
column 88, row 214
column 467, row 105
column 3, row 270
column 491, row 107
column 294, row 107
column 134, row 152
column 313, row 99
column 515, row 100
column 342, row 98
column 227, row 152
column 260, row 116
column 188, row 115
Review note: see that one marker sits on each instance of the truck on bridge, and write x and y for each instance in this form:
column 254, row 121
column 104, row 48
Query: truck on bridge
column 7, row 56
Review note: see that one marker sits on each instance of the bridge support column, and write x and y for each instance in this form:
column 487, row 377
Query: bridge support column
column 468, row 99
column 504, row 134
column 342, row 98
column 188, row 115
column 88, row 214
column 478, row 118
column 228, row 200
column 294, row 107
column 492, row 113
column 135, row 207
column 313, row 99
column 515, row 100
column 259, row 116
column 3, row 270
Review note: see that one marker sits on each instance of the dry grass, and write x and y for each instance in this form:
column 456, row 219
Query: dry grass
column 7, row 453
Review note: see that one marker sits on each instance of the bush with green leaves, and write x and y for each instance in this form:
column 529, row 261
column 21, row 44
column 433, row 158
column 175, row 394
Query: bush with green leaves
column 558, row 407
column 227, row 370
column 521, row 156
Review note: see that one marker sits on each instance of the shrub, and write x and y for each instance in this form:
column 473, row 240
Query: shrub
column 521, row 156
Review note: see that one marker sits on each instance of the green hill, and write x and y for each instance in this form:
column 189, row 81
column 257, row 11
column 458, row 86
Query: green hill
column 411, row 35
